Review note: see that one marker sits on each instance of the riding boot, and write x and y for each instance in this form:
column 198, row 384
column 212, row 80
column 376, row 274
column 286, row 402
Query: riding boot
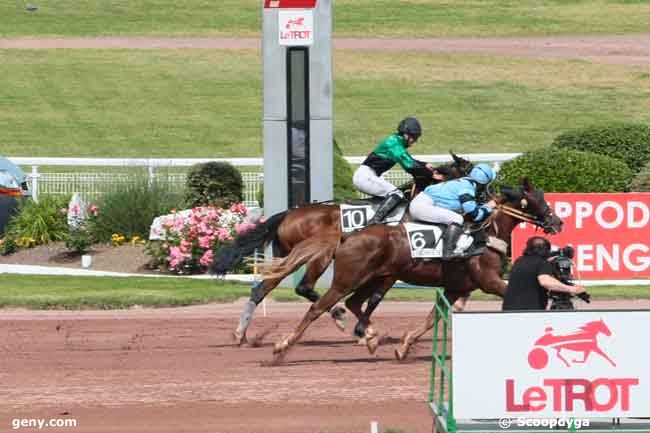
column 452, row 234
column 390, row 202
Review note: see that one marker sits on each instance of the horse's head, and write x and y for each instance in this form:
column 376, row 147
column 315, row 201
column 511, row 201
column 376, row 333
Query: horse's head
column 460, row 167
column 530, row 203
column 597, row 326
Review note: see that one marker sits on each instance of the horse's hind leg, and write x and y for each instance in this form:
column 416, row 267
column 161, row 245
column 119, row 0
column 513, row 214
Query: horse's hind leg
column 315, row 268
column 258, row 293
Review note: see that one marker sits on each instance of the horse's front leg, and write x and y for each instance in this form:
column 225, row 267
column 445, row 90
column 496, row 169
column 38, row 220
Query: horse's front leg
column 330, row 298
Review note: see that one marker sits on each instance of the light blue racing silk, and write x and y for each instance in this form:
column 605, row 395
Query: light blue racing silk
column 458, row 195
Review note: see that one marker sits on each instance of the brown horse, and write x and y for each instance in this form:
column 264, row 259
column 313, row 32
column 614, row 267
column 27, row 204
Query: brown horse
column 288, row 229
column 370, row 261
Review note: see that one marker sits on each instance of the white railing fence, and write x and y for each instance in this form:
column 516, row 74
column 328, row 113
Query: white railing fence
column 91, row 184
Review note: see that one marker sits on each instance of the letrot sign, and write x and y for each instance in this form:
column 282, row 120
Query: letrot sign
column 585, row 364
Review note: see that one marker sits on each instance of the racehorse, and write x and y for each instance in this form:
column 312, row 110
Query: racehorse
column 288, row 229
column 370, row 261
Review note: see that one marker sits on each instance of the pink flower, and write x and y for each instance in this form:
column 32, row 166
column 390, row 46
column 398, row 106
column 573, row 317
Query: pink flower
column 223, row 234
column 205, row 242
column 74, row 210
column 93, row 210
column 176, row 257
column 238, row 208
column 186, row 246
column 206, row 259
column 179, row 224
column 244, row 227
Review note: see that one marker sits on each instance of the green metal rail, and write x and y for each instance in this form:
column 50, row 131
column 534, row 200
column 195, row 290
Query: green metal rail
column 442, row 319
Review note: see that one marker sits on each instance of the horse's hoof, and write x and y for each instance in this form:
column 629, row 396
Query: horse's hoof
column 362, row 341
column 280, row 347
column 371, row 332
column 400, row 355
column 239, row 338
column 360, row 329
column 372, row 344
column 338, row 314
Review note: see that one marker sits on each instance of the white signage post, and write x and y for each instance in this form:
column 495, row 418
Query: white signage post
column 577, row 371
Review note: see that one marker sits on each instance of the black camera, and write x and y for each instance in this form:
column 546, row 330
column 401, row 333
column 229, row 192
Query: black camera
column 563, row 270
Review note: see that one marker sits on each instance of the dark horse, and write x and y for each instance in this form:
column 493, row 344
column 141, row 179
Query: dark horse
column 289, row 229
column 370, row 261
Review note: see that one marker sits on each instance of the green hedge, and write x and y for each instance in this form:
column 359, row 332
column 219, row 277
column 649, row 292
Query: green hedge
column 343, row 187
column 214, row 183
column 629, row 142
column 566, row 170
column 641, row 182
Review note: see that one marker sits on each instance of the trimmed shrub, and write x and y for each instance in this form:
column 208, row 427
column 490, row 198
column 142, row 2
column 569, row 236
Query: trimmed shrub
column 641, row 182
column 629, row 142
column 566, row 170
column 343, row 187
column 37, row 223
column 130, row 208
column 214, row 184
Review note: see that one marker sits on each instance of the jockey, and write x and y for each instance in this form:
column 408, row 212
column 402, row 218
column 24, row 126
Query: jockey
column 447, row 202
column 393, row 150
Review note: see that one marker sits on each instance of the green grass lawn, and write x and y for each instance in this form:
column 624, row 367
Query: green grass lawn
column 40, row 292
column 207, row 103
column 389, row 18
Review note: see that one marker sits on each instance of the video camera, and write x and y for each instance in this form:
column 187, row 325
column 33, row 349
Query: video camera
column 563, row 270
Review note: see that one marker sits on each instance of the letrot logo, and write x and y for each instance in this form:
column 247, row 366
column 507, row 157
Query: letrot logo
column 298, row 22
column 582, row 341
column 296, row 27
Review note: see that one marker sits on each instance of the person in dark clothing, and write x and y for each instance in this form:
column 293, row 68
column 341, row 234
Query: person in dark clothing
column 532, row 277
column 392, row 150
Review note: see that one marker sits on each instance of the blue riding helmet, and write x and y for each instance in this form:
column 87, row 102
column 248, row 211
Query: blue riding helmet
column 482, row 174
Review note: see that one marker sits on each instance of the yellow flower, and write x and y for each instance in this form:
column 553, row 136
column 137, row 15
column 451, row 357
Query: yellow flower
column 117, row 239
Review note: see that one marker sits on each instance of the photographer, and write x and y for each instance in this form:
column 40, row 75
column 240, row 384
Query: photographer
column 532, row 277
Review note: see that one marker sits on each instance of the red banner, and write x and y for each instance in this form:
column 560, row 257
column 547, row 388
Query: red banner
column 610, row 233
column 290, row 4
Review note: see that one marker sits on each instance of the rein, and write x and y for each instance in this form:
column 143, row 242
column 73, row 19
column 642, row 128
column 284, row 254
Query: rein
column 524, row 216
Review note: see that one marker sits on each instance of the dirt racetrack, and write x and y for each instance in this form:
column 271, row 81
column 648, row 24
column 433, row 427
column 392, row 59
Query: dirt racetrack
column 176, row 370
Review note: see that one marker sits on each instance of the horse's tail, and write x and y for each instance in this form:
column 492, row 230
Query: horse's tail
column 304, row 252
column 245, row 244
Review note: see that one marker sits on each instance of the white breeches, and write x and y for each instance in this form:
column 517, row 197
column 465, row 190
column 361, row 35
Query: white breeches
column 422, row 208
column 366, row 180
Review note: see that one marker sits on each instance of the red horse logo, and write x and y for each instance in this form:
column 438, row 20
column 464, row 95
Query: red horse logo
column 583, row 341
column 298, row 22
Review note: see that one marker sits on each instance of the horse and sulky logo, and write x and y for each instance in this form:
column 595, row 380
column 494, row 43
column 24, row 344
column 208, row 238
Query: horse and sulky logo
column 576, row 392
column 583, row 341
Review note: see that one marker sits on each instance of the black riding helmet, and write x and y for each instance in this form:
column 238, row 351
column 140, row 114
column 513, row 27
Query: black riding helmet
column 410, row 126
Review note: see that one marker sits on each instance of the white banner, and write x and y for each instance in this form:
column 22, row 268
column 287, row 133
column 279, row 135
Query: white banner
column 583, row 364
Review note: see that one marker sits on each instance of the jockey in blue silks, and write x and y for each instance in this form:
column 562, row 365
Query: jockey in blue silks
column 449, row 202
